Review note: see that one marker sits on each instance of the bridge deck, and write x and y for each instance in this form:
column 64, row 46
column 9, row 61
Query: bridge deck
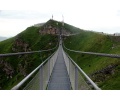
column 59, row 79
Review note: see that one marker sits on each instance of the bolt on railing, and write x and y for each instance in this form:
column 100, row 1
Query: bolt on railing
column 41, row 79
column 79, row 79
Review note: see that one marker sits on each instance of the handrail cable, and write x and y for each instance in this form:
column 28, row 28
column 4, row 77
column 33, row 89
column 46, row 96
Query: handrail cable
column 94, row 53
column 22, row 53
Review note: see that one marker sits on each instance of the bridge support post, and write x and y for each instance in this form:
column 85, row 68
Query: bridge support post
column 68, row 65
column 76, row 78
column 48, row 70
column 41, row 78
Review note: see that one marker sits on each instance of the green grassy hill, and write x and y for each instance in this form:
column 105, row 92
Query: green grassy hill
column 14, row 69
column 103, row 70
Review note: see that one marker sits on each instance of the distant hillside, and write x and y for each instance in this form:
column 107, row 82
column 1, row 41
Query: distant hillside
column 2, row 38
column 104, row 71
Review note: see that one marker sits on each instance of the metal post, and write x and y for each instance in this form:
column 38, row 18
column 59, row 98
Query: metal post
column 48, row 69
column 67, row 60
column 52, row 65
column 71, row 80
column 69, row 67
column 76, row 78
column 41, row 78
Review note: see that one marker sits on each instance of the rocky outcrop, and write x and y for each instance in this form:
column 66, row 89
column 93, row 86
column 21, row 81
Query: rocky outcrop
column 22, row 69
column 48, row 29
column 20, row 46
column 103, row 74
column 7, row 69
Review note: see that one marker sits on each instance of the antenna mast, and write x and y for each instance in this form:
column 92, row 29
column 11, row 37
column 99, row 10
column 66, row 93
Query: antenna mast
column 62, row 20
column 52, row 17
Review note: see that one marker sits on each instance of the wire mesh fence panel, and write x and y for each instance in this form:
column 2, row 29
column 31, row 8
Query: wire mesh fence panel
column 72, row 74
column 55, row 57
column 34, row 84
column 82, row 84
column 52, row 61
column 45, row 75
column 66, row 61
column 51, row 65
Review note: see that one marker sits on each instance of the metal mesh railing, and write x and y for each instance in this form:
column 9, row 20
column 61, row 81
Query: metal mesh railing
column 41, row 79
column 34, row 84
column 79, row 80
column 82, row 83
column 72, row 74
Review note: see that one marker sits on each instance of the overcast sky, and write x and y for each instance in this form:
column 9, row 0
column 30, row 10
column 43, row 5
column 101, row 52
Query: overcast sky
column 97, row 15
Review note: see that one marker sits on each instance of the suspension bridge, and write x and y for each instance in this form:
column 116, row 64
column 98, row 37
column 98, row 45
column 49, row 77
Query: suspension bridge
column 58, row 72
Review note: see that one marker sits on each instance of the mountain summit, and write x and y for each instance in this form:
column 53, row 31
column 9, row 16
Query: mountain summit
column 55, row 27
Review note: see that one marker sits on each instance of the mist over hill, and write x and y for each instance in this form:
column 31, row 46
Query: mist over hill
column 2, row 38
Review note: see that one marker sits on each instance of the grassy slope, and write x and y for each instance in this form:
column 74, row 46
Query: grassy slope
column 93, row 42
column 36, row 41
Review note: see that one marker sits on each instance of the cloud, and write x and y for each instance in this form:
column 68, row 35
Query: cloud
column 87, row 14
column 14, row 21
column 118, row 13
column 12, row 14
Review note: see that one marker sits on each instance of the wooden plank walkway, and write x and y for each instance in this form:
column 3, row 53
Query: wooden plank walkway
column 59, row 79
